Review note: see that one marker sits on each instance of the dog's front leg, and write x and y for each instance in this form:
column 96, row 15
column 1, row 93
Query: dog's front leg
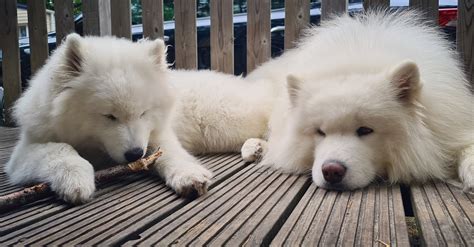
column 466, row 168
column 58, row 164
column 290, row 151
column 181, row 171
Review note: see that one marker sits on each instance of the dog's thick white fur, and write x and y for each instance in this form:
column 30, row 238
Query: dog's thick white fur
column 216, row 112
column 93, row 101
column 382, row 72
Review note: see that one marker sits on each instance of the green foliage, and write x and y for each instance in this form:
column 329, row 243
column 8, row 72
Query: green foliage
column 168, row 10
column 136, row 7
column 50, row 5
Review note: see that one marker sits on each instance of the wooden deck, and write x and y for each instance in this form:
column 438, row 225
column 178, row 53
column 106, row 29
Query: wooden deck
column 246, row 205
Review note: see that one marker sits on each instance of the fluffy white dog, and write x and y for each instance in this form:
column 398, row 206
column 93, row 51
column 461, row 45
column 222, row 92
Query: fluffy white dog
column 376, row 96
column 97, row 101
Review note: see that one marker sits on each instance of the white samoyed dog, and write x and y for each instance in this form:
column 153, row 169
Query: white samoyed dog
column 99, row 101
column 380, row 95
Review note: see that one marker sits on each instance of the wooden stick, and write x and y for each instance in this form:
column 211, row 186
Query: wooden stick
column 42, row 190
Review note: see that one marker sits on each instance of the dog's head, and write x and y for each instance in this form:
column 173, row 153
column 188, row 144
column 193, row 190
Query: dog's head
column 115, row 92
column 352, row 118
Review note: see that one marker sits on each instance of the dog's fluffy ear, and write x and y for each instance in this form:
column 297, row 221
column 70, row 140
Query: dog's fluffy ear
column 294, row 86
column 73, row 57
column 406, row 78
column 157, row 51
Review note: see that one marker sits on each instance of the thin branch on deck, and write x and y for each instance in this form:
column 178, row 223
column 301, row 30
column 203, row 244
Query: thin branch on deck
column 41, row 191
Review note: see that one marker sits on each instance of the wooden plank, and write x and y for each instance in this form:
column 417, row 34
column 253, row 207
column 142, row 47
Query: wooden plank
column 16, row 224
column 460, row 219
column 220, row 165
column 222, row 36
column 9, row 188
column 258, row 33
column 317, row 226
column 90, row 12
column 105, row 19
column 9, row 134
column 121, row 17
column 20, row 217
column 11, row 57
column 185, row 34
column 135, row 202
column 348, row 233
column 152, row 11
column 330, row 8
column 191, row 215
column 118, row 235
column 376, row 4
column 296, row 20
column 382, row 220
column 64, row 17
column 444, row 214
column 97, row 19
column 295, row 228
column 398, row 225
column 108, row 194
column 250, row 221
column 357, row 218
column 447, row 227
column 38, row 33
column 364, row 235
column 465, row 37
column 134, row 205
column 428, row 7
column 273, row 214
column 424, row 215
column 332, row 230
column 465, row 202
column 227, row 211
column 65, row 214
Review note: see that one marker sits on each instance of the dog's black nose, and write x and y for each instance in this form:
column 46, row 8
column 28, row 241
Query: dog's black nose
column 333, row 171
column 133, row 154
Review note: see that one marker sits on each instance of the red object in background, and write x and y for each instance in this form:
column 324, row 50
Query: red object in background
column 448, row 17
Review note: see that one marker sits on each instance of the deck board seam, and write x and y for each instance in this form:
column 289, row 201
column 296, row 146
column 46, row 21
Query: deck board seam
column 216, row 189
column 243, row 209
column 249, row 184
column 286, row 213
column 253, row 213
column 314, row 216
column 450, row 214
column 96, row 204
column 78, row 223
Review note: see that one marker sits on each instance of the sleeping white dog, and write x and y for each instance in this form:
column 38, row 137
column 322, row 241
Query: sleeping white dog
column 99, row 101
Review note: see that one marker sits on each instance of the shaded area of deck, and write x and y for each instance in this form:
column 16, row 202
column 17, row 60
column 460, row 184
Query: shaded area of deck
column 246, row 205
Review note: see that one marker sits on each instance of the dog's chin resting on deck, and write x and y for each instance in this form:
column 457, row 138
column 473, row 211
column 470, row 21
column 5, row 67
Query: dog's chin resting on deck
column 99, row 101
column 380, row 95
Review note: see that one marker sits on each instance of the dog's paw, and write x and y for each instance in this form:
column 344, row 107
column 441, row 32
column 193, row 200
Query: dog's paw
column 466, row 169
column 190, row 180
column 253, row 149
column 468, row 183
column 466, row 174
column 75, row 182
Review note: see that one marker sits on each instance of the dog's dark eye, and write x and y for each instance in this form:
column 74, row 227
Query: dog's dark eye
column 320, row 132
column 363, row 131
column 110, row 117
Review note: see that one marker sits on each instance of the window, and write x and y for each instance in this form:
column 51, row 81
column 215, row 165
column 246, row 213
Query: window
column 22, row 31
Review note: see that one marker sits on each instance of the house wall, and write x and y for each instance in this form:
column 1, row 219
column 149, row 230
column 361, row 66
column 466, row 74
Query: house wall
column 23, row 21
